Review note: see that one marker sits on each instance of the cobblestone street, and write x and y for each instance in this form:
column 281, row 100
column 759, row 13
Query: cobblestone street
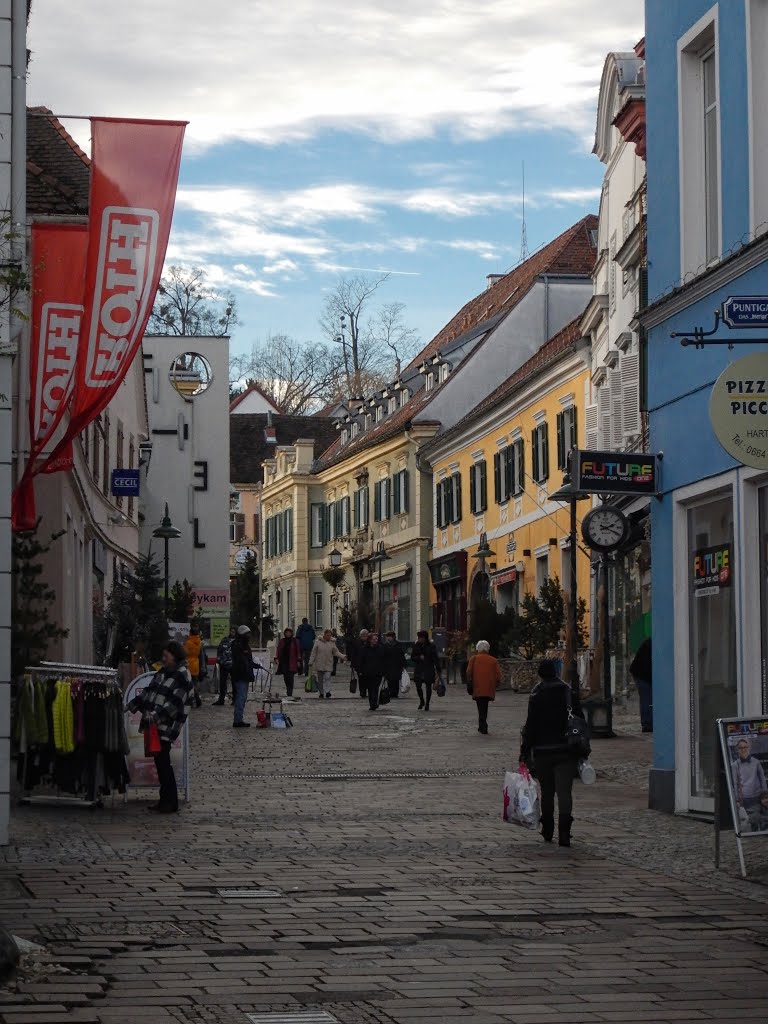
column 357, row 867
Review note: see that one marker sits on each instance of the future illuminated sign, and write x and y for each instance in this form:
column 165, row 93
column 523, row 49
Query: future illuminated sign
column 615, row 473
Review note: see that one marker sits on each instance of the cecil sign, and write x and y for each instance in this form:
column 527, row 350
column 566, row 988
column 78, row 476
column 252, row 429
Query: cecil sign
column 738, row 410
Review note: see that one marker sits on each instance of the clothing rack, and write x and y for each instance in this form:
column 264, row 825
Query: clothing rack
column 71, row 672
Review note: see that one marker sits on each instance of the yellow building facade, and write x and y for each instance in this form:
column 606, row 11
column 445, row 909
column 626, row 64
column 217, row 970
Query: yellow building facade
column 493, row 474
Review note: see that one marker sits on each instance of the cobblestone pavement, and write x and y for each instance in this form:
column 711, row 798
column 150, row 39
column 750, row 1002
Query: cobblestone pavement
column 356, row 868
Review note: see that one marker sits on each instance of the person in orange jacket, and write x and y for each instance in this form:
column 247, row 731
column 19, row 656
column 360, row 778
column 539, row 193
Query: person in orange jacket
column 483, row 676
column 193, row 647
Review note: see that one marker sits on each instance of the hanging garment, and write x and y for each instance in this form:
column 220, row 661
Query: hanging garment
column 63, row 719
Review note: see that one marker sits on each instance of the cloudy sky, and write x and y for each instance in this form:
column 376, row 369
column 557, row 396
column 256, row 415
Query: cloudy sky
column 327, row 138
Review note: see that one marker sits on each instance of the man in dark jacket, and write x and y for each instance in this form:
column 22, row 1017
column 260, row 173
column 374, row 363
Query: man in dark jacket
column 243, row 673
column 372, row 670
column 394, row 662
column 305, row 634
column 224, row 659
column 641, row 670
column 545, row 747
column 355, row 648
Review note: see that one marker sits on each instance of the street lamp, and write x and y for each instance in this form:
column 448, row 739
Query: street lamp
column 335, row 558
column 566, row 493
column 483, row 552
column 378, row 558
column 166, row 531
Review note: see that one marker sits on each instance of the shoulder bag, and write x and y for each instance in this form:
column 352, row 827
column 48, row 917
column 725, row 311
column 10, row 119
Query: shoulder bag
column 576, row 732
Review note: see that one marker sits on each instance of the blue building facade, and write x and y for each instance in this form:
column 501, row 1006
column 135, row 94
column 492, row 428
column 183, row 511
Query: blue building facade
column 707, row 164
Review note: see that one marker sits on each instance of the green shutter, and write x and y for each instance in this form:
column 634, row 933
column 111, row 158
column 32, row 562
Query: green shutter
column 544, row 468
column 535, row 454
column 289, row 524
column 457, row 497
column 574, row 433
column 396, row 494
column 561, row 442
column 377, row 501
column 472, row 479
column 483, row 487
column 406, row 502
column 497, row 477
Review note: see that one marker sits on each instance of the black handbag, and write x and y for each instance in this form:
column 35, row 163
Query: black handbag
column 576, row 732
column 384, row 697
column 353, row 684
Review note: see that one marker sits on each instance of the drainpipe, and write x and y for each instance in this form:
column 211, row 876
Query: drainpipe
column 18, row 213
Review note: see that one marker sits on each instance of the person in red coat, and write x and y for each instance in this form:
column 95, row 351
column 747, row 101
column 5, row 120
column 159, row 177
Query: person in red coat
column 483, row 676
column 288, row 659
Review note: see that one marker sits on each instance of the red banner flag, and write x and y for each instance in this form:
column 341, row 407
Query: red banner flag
column 58, row 277
column 134, row 172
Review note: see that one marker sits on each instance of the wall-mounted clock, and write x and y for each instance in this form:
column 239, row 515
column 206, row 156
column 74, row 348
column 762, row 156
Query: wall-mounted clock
column 605, row 528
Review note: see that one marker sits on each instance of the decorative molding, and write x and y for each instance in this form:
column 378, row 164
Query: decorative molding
column 567, row 400
column 611, row 359
column 624, row 341
column 539, row 417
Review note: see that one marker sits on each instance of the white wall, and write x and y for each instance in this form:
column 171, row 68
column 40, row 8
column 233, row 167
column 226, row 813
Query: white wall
column 189, row 436
column 254, row 401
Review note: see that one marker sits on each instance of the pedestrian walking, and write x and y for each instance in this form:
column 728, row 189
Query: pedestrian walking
column 305, row 634
column 165, row 702
column 355, row 647
column 288, row 659
column 193, row 647
column 483, row 676
column 426, row 667
column 545, row 750
column 393, row 657
column 224, row 660
column 321, row 659
column 641, row 670
column 372, row 669
column 243, row 673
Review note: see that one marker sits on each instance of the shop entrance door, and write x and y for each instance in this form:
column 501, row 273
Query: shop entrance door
column 712, row 668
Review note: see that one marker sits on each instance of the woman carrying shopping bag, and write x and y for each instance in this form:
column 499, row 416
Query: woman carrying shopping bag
column 288, row 659
column 546, row 750
column 165, row 703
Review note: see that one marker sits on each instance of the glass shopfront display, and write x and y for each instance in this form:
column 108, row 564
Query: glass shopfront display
column 763, row 543
column 712, row 669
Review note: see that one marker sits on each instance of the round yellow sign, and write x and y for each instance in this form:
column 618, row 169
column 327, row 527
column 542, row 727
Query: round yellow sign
column 738, row 410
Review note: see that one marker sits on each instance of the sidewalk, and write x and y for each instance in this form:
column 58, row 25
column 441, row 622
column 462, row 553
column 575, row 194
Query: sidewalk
column 357, row 866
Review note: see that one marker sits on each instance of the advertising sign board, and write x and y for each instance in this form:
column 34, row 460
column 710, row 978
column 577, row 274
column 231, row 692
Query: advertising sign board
column 745, row 311
column 615, row 472
column 744, row 753
column 125, row 483
column 738, row 410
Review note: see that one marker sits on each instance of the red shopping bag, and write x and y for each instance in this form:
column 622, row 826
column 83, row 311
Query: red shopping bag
column 152, row 744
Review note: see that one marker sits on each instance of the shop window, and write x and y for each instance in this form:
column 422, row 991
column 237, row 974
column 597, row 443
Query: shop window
column 712, row 669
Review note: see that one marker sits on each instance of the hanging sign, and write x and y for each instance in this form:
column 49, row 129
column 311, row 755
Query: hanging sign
column 615, row 473
column 738, row 410
column 125, row 483
column 745, row 311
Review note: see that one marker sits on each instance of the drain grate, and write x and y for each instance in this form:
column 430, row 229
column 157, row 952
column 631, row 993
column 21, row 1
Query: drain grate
column 249, row 894
column 293, row 1017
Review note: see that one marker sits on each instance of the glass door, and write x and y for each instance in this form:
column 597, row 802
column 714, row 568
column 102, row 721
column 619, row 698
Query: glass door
column 712, row 669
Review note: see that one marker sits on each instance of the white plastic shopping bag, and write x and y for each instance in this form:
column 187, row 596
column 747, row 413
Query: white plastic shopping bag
column 587, row 773
column 405, row 683
column 521, row 798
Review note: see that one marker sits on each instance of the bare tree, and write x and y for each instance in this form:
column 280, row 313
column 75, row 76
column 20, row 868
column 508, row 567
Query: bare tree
column 186, row 304
column 388, row 330
column 299, row 378
column 343, row 322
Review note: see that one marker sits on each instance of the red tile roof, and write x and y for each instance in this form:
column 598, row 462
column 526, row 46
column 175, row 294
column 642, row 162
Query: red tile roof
column 58, row 171
column 549, row 353
column 572, row 252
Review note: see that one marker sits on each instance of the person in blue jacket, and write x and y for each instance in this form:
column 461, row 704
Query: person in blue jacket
column 305, row 634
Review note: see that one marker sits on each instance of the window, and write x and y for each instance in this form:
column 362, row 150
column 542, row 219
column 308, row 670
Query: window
column 400, row 493
column 429, row 382
column 344, row 435
column 318, row 605
column 355, row 428
column 566, row 435
column 542, row 571
column 757, row 40
column 509, row 472
column 278, row 533
column 612, row 273
column 289, row 607
column 404, row 396
column 318, row 530
column 339, row 518
column 379, row 413
column 444, row 370
column 478, row 487
column 540, row 453
column 381, row 500
column 699, row 171
column 448, row 500
column 131, row 465
column 392, row 404
column 361, row 508
column 367, row 421
column 236, row 527
column 711, row 157
column 106, row 464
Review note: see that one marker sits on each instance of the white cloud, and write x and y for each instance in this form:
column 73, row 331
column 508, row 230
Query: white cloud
column 268, row 72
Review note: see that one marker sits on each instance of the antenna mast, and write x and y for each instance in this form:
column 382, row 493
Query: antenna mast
column 524, row 253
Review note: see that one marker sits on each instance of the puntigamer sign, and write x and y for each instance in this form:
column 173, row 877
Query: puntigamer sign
column 615, row 473
column 738, row 410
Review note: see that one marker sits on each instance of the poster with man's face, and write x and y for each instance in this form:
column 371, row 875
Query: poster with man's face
column 746, row 743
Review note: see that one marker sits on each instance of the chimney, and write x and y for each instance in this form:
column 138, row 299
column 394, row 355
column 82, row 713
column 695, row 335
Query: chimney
column 305, row 453
column 492, row 279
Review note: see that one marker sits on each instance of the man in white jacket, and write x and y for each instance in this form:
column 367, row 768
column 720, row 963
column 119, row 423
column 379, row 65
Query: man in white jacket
column 321, row 659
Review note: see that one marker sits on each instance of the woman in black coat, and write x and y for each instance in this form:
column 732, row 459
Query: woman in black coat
column 545, row 749
column 426, row 665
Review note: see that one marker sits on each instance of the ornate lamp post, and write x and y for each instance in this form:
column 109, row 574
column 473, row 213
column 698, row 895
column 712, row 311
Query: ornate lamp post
column 483, row 552
column 166, row 531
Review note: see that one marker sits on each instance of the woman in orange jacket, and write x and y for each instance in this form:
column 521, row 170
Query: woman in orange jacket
column 483, row 676
column 193, row 647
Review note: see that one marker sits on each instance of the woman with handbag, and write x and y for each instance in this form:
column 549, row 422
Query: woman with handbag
column 483, row 677
column 426, row 666
column 288, row 659
column 550, row 748
column 164, row 704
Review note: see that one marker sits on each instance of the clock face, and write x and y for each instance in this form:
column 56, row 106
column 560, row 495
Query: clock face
column 604, row 528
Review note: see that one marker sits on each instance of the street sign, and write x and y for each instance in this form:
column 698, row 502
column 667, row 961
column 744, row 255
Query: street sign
column 746, row 311
column 738, row 410
column 615, row 473
column 125, row 483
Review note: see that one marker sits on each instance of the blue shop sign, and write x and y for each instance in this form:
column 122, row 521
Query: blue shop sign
column 125, row 483
column 746, row 311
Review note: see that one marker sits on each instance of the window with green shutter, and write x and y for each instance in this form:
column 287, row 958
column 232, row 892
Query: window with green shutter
column 540, row 453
